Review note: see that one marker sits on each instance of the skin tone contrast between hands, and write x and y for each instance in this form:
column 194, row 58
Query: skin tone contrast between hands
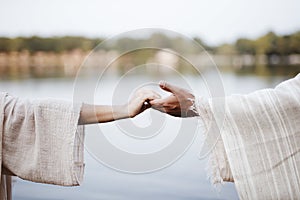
column 177, row 104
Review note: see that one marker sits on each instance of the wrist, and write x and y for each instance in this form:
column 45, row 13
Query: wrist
column 121, row 112
column 110, row 113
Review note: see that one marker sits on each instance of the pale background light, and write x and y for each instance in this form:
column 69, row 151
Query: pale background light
column 214, row 21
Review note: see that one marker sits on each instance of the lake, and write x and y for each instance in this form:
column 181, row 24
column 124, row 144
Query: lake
column 184, row 179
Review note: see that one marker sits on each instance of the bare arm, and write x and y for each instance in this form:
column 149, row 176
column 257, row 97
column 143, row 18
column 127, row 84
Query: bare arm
column 91, row 114
column 100, row 113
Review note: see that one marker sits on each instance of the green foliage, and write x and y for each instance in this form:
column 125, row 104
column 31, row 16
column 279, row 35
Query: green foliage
column 5, row 44
column 54, row 44
column 245, row 46
column 267, row 44
column 225, row 49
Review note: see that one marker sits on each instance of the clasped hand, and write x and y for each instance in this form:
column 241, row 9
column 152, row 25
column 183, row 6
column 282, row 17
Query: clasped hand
column 179, row 104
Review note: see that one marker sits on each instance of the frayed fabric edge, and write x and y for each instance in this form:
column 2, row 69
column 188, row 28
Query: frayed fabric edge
column 203, row 110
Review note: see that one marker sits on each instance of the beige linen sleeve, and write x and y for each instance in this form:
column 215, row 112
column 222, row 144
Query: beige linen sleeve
column 259, row 141
column 42, row 141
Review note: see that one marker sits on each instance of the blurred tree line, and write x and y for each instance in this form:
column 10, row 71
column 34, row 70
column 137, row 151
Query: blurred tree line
column 268, row 44
column 54, row 44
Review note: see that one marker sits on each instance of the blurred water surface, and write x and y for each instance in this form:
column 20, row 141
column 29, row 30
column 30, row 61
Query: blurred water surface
column 185, row 179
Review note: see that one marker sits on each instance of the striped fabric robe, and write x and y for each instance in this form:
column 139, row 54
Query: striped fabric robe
column 255, row 141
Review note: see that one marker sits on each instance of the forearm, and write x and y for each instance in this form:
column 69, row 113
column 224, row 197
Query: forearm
column 91, row 114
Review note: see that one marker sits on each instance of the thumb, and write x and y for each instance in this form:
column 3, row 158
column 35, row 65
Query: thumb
column 168, row 87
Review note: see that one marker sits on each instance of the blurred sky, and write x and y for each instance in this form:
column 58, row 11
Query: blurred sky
column 215, row 21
